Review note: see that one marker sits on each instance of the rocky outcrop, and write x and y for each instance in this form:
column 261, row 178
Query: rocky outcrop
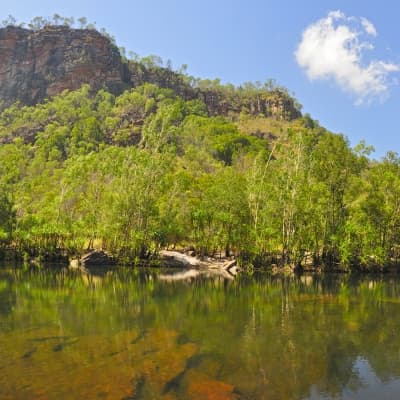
column 97, row 258
column 35, row 65
column 163, row 77
column 275, row 103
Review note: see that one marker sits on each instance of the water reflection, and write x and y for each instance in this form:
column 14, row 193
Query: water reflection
column 191, row 274
column 187, row 335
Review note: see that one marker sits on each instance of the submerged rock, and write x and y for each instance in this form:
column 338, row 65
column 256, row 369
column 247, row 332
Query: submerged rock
column 200, row 386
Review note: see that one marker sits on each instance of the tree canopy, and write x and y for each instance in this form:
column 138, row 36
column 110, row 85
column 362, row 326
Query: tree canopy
column 152, row 168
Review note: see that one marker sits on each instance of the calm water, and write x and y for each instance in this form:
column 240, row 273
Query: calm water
column 142, row 335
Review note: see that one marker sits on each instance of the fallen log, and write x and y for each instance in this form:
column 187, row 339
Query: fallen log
column 229, row 265
column 178, row 260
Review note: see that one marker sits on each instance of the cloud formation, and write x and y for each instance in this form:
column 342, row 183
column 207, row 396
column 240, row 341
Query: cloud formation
column 333, row 47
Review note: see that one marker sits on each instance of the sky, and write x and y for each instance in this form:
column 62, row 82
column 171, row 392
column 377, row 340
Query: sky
column 341, row 59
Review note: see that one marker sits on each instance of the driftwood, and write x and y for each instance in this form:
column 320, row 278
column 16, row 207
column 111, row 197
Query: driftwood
column 180, row 260
column 229, row 265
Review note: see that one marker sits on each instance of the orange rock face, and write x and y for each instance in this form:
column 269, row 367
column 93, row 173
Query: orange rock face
column 35, row 65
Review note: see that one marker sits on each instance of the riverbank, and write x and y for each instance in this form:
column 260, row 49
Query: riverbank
column 187, row 259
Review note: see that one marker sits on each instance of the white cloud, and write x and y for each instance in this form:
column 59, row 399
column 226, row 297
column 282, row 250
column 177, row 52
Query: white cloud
column 368, row 26
column 332, row 48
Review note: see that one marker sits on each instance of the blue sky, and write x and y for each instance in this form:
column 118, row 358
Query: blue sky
column 254, row 40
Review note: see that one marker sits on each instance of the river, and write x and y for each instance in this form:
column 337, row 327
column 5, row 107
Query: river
column 152, row 334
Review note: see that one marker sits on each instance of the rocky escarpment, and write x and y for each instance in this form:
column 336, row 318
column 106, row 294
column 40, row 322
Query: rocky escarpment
column 220, row 100
column 35, row 65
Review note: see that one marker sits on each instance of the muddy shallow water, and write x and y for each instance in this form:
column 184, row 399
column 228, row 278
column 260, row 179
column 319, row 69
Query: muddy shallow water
column 129, row 334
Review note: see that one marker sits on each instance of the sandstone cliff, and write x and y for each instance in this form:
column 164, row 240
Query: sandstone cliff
column 35, row 65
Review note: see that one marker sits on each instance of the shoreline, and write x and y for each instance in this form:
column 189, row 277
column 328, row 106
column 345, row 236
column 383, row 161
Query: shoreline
column 97, row 259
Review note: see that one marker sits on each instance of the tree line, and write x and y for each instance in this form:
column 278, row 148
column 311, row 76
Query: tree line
column 147, row 170
column 39, row 22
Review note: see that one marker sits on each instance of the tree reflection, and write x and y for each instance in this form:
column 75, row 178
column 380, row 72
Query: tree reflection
column 254, row 337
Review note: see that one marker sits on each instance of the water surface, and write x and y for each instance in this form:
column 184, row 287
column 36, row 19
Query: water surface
column 129, row 334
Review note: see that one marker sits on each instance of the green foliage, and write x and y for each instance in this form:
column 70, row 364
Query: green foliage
column 148, row 169
column 38, row 23
column 7, row 217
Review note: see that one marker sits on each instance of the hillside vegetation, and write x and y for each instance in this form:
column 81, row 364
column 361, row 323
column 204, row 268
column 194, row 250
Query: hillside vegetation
column 154, row 168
